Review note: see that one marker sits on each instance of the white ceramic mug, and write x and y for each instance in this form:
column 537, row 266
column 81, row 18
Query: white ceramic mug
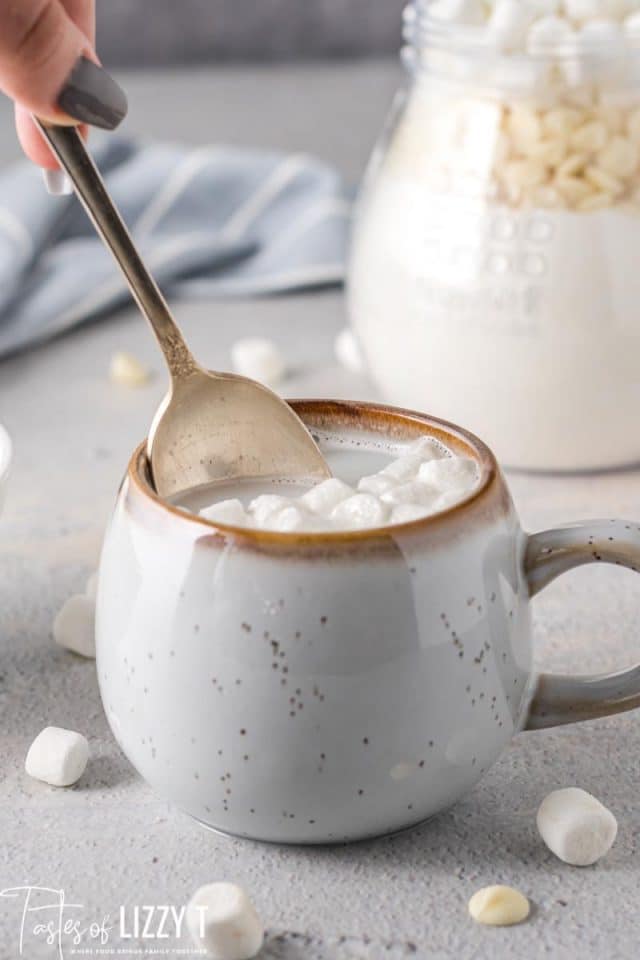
column 335, row 686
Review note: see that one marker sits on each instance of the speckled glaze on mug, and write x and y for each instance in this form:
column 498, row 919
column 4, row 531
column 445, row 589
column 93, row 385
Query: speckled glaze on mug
column 327, row 687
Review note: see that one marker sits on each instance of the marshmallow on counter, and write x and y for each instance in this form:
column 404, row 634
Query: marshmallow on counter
column 259, row 359
column 499, row 906
column 74, row 626
column 57, row 757
column 348, row 352
column 576, row 826
column 222, row 920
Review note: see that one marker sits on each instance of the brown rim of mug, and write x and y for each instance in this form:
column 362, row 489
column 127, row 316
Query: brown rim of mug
column 350, row 412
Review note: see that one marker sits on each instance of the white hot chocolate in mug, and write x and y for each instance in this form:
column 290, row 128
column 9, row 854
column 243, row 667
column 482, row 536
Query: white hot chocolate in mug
column 318, row 685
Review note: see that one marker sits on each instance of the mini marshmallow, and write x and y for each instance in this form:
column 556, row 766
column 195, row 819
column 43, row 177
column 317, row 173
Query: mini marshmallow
column 74, row 626
column 509, row 22
column 576, row 826
column 470, row 12
column 415, row 492
column 449, row 475
column 377, row 484
column 582, row 11
column 404, row 468
column 57, row 757
column 426, row 448
column 263, row 507
column 326, row 495
column 548, row 33
column 222, row 920
column 125, row 369
column 348, row 352
column 259, row 359
column 360, row 511
column 498, row 906
column 408, row 512
column 226, row 511
column 291, row 519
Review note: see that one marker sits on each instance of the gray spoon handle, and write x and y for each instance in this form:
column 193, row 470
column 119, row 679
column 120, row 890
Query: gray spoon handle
column 69, row 149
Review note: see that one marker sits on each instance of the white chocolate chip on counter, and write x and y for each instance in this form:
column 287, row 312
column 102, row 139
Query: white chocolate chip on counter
column 127, row 370
column 576, row 826
column 222, row 920
column 499, row 906
column 57, row 757
column 348, row 352
column 74, row 626
column 259, row 359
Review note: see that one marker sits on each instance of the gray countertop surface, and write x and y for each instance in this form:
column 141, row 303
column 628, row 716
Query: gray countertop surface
column 109, row 841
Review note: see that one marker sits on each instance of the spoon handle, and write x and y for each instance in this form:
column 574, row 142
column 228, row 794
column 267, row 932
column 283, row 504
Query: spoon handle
column 69, row 149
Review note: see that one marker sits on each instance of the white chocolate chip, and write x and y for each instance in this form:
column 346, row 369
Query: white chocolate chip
column 602, row 180
column 524, row 127
column 222, row 920
column 74, row 626
column 259, row 359
column 127, row 370
column 619, row 157
column 589, row 137
column 597, row 201
column 525, row 173
column 499, row 906
column 57, row 756
column 576, row 826
column 347, row 350
column 573, row 189
column 560, row 121
column 575, row 163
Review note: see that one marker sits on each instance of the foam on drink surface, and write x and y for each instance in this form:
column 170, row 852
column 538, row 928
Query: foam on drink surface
column 373, row 485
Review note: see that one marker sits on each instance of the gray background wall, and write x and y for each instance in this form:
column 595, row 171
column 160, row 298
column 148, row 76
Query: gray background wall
column 144, row 32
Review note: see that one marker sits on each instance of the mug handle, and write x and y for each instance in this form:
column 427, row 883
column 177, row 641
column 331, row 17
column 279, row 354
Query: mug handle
column 559, row 699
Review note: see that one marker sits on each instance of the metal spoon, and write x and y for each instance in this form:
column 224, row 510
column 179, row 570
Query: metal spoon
column 210, row 426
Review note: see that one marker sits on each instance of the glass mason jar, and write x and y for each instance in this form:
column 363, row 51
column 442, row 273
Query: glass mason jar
column 495, row 268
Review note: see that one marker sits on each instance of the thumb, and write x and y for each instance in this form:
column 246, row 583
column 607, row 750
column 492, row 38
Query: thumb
column 47, row 65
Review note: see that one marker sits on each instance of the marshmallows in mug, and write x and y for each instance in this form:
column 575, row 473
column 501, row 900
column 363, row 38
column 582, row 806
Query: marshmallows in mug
column 425, row 480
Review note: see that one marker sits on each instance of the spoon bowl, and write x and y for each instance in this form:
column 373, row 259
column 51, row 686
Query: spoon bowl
column 210, row 426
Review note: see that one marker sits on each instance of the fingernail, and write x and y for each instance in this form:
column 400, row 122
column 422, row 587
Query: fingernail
column 91, row 96
column 57, row 183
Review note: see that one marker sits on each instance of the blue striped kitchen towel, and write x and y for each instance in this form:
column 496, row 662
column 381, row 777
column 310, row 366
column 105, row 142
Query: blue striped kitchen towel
column 211, row 222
